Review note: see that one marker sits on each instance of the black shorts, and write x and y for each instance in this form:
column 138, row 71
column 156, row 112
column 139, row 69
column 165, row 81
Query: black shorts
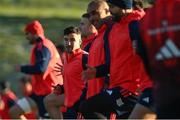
column 72, row 112
column 106, row 102
column 146, row 99
column 167, row 99
column 39, row 101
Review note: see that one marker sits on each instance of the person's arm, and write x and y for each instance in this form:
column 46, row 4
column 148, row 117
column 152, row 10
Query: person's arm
column 102, row 70
column 139, row 44
column 42, row 57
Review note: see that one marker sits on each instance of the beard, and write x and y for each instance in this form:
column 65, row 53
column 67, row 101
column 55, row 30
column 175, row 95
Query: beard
column 117, row 17
column 31, row 42
column 68, row 49
column 95, row 23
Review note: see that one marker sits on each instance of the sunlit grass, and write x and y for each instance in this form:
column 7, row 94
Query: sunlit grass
column 41, row 12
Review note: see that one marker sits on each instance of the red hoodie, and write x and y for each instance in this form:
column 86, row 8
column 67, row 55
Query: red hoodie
column 42, row 83
column 161, row 40
column 88, row 40
column 126, row 68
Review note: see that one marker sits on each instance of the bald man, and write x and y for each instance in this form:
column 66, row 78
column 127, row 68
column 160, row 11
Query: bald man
column 99, row 16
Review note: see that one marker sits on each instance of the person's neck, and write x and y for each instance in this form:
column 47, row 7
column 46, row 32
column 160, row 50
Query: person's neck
column 125, row 13
column 38, row 39
column 103, row 21
column 84, row 36
column 6, row 91
column 73, row 51
column 89, row 34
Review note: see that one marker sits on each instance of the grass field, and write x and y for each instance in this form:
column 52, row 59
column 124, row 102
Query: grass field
column 54, row 15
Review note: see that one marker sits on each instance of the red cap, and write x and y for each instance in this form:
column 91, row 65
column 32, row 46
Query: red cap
column 35, row 27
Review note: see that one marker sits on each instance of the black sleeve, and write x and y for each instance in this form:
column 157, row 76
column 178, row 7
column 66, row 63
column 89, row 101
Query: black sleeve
column 10, row 102
column 102, row 70
column 140, row 49
column 43, row 56
column 84, row 61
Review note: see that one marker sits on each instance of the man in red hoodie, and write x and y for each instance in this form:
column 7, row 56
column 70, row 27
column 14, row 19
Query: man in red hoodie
column 88, row 35
column 144, row 108
column 72, row 69
column 140, row 81
column 101, row 102
column 88, row 31
column 159, row 47
column 125, row 75
column 98, row 11
column 44, row 57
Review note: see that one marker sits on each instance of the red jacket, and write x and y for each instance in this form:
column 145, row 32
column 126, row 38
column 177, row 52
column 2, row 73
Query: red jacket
column 96, row 58
column 44, row 57
column 88, row 40
column 125, row 70
column 161, row 40
column 5, row 102
column 72, row 70
column 42, row 83
column 143, row 80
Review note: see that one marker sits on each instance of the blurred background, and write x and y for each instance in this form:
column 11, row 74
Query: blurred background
column 54, row 15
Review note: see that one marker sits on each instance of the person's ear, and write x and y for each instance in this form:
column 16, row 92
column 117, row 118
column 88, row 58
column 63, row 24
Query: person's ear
column 107, row 11
column 36, row 36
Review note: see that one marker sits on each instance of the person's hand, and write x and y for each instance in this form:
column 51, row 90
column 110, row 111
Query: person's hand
column 58, row 69
column 17, row 68
column 2, row 104
column 58, row 89
column 89, row 73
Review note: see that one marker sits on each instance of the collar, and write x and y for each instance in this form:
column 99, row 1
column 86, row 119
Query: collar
column 102, row 28
column 135, row 15
column 75, row 53
column 88, row 39
column 40, row 42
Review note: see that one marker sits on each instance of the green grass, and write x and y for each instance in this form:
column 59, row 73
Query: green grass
column 40, row 12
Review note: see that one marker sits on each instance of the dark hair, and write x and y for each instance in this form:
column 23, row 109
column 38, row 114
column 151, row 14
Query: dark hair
column 137, row 4
column 25, row 80
column 4, row 85
column 60, row 47
column 152, row 2
column 71, row 29
column 85, row 15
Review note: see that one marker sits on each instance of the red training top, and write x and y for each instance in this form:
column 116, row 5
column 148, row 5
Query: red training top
column 72, row 70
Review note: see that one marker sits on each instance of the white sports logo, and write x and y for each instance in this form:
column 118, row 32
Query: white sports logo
column 169, row 50
column 146, row 99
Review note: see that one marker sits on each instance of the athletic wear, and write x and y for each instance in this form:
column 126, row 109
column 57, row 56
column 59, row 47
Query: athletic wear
column 73, row 84
column 96, row 58
column 7, row 101
column 123, row 72
column 162, row 55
